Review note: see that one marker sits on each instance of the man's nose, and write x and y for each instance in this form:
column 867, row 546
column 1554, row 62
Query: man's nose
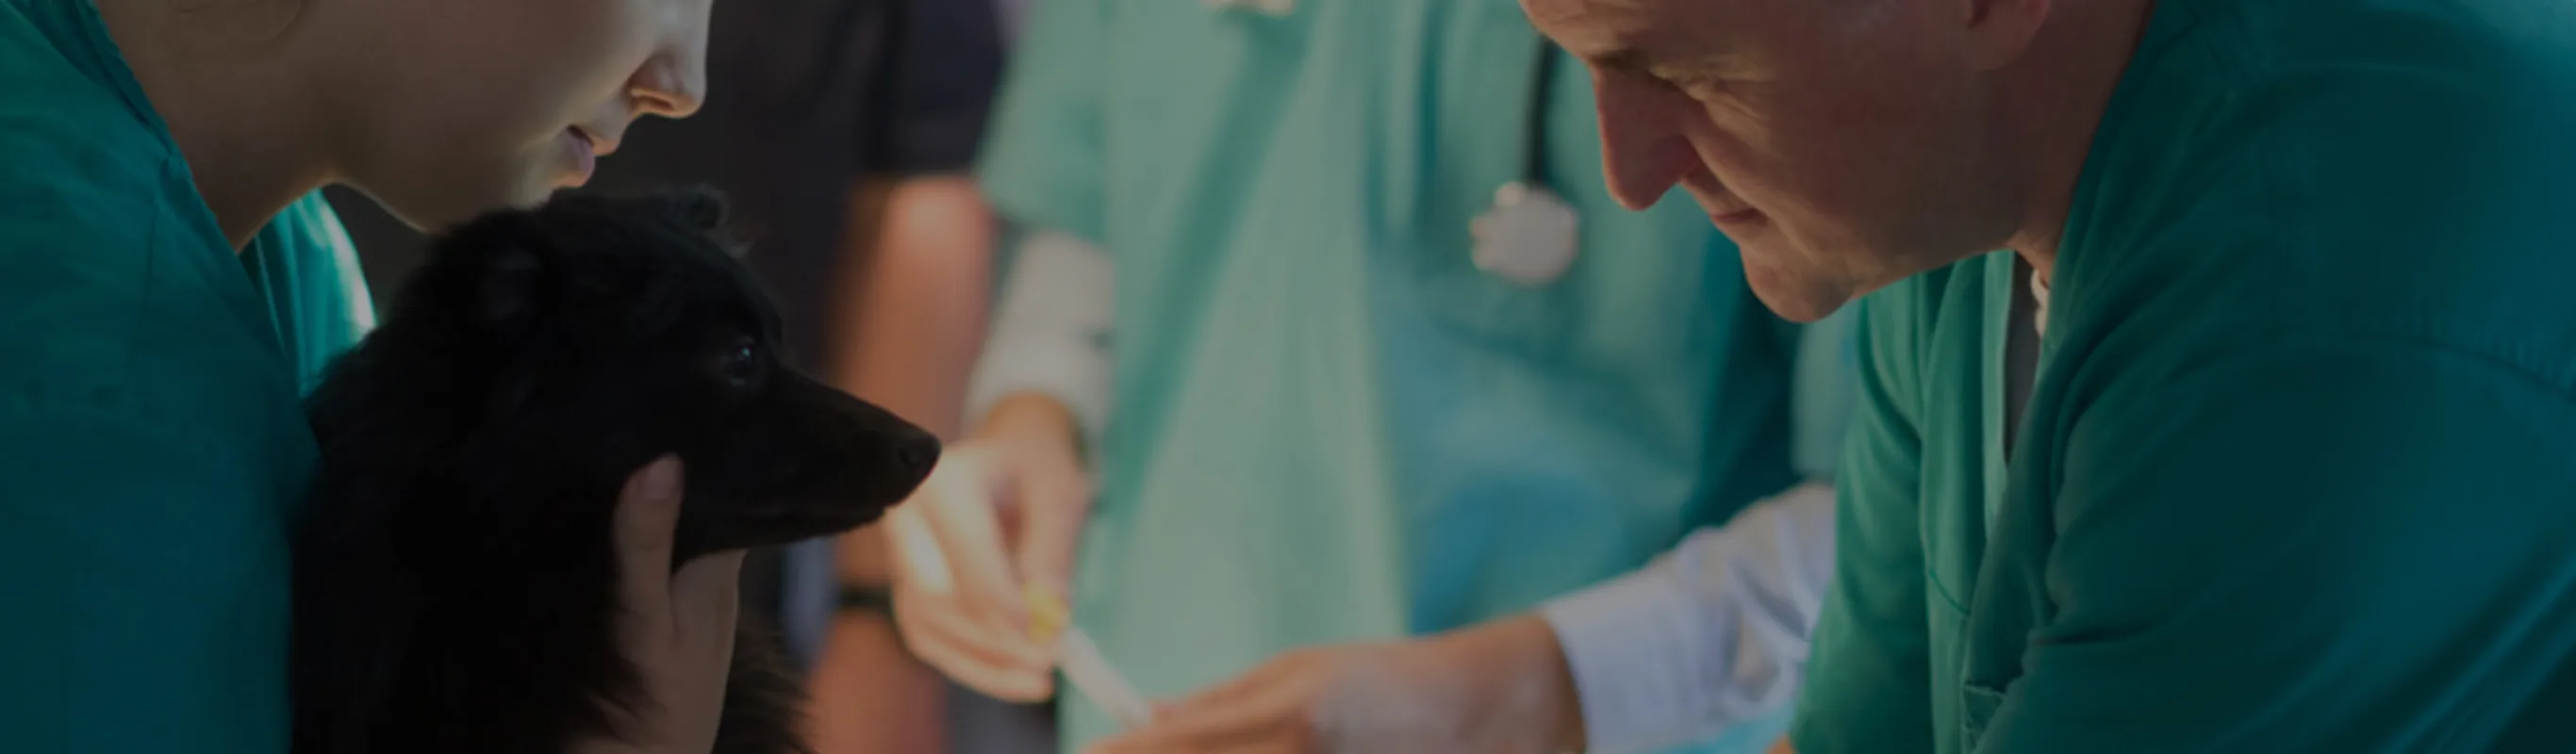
column 1643, row 153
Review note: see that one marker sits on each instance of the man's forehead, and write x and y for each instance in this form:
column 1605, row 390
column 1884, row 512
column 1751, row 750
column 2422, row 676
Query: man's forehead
column 1630, row 35
column 1574, row 22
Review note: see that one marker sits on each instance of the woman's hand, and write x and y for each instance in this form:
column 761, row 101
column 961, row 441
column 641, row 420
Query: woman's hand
column 1498, row 688
column 1000, row 517
column 677, row 626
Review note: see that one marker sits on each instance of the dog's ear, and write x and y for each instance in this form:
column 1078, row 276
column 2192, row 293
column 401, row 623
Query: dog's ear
column 700, row 208
column 510, row 286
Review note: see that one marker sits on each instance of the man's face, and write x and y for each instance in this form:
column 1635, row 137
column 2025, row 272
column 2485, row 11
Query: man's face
column 469, row 105
column 1843, row 144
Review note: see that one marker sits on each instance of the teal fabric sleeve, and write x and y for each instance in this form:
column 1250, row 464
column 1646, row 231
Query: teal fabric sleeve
column 1866, row 677
column 1042, row 161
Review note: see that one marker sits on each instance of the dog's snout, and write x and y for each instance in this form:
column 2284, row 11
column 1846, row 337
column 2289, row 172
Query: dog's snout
column 917, row 453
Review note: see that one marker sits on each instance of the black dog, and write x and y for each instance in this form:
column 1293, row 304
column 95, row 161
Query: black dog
column 456, row 577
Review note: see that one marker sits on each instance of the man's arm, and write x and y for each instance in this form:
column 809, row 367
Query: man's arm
column 1051, row 331
column 2339, row 546
column 1710, row 636
column 918, row 324
column 924, row 288
column 1868, row 680
column 915, row 284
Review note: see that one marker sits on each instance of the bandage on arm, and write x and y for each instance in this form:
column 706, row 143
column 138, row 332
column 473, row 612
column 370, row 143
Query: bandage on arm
column 1050, row 330
column 1711, row 635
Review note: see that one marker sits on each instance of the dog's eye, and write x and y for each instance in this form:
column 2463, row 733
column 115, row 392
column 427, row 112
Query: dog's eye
column 740, row 365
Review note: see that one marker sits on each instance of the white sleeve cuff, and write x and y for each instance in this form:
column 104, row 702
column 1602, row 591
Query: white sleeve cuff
column 1050, row 331
column 1711, row 635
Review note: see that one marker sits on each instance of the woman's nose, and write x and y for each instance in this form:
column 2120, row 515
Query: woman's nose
column 671, row 85
column 674, row 82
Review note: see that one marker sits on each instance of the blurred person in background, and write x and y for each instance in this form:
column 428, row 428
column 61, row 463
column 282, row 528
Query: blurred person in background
column 842, row 139
column 1383, row 360
column 1708, row 641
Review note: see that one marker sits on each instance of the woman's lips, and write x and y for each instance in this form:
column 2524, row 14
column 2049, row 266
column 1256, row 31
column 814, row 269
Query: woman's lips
column 584, row 153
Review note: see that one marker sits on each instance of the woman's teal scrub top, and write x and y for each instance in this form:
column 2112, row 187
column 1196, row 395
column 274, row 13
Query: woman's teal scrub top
column 2299, row 470
column 151, row 443
column 1328, row 424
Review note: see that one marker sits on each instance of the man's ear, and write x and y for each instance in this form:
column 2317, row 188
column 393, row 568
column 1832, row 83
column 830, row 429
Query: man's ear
column 1999, row 31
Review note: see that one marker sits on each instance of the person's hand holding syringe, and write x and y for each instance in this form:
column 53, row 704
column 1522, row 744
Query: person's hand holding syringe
column 1050, row 623
column 984, row 553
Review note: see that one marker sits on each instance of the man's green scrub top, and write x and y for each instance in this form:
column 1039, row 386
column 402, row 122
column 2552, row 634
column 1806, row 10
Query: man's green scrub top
column 1329, row 425
column 151, row 445
column 2299, row 471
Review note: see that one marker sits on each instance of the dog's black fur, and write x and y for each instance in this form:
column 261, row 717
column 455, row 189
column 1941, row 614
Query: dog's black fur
column 456, row 579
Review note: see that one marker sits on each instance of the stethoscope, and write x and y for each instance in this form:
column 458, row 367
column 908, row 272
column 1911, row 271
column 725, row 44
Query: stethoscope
column 1528, row 235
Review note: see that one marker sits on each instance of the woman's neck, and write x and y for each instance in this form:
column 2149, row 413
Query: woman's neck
column 225, row 81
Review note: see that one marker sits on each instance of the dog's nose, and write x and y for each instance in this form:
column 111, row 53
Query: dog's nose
column 918, row 453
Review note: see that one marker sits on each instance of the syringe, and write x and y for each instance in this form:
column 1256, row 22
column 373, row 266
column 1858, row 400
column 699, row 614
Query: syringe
column 1082, row 663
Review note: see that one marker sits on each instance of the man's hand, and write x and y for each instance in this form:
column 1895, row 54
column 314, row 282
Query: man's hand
column 1000, row 516
column 1499, row 688
column 676, row 627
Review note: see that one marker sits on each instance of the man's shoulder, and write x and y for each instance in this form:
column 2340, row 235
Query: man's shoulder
column 2271, row 181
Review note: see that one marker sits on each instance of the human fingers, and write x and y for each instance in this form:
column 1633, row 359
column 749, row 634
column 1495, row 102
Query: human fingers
column 686, row 677
column 999, row 661
column 1234, row 693
column 1240, row 717
column 675, row 627
column 1004, row 667
column 972, row 668
column 1267, row 709
column 962, row 508
column 706, row 601
column 1055, row 498
column 919, row 564
column 648, row 511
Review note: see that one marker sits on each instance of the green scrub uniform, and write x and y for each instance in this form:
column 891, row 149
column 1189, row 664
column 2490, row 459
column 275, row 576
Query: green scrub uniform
column 151, row 444
column 2299, row 470
column 1328, row 424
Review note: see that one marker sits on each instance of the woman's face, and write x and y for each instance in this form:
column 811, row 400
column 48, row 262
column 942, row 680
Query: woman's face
column 458, row 106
